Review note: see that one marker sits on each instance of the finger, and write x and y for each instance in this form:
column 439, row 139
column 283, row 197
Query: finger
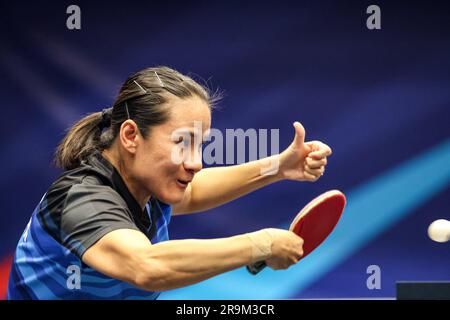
column 315, row 172
column 314, row 145
column 300, row 133
column 324, row 151
column 316, row 164
column 310, row 177
column 320, row 154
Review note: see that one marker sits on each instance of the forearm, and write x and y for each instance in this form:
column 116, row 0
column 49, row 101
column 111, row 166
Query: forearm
column 128, row 255
column 177, row 263
column 215, row 186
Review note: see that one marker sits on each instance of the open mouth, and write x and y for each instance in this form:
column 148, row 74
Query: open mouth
column 182, row 183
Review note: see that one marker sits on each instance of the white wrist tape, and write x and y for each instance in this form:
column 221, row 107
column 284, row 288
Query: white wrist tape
column 262, row 244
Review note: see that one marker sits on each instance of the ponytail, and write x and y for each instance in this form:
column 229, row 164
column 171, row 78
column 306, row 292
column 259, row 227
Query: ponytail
column 81, row 140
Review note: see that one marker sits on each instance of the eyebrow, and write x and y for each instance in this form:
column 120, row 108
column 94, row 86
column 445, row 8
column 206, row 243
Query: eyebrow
column 192, row 134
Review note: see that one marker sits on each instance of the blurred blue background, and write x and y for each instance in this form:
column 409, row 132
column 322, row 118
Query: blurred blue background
column 380, row 99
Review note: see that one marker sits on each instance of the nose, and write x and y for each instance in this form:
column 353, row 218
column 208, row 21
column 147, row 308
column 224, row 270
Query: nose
column 193, row 166
column 193, row 163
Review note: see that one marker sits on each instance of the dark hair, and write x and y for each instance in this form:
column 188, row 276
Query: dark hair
column 141, row 98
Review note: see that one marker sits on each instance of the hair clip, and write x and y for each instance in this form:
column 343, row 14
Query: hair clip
column 159, row 79
column 126, row 108
column 145, row 91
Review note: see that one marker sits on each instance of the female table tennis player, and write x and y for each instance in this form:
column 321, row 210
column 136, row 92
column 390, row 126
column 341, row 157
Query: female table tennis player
column 101, row 229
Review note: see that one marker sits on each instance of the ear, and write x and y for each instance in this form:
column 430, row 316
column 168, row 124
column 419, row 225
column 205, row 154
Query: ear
column 129, row 136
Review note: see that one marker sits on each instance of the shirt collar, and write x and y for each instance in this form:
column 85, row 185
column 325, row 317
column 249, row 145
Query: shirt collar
column 110, row 173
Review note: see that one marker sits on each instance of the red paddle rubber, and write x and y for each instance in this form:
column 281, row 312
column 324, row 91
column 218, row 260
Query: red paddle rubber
column 313, row 223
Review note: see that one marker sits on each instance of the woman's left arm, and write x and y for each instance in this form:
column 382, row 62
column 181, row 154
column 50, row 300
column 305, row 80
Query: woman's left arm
column 215, row 186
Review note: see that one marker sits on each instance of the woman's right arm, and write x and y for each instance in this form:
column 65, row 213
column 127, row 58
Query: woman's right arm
column 128, row 255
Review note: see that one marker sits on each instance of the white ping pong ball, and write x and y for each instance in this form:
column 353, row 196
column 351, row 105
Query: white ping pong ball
column 439, row 230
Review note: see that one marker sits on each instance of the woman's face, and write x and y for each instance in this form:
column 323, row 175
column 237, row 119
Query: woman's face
column 167, row 160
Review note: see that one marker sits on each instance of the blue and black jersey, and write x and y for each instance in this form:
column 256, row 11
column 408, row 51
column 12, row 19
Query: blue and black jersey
column 78, row 209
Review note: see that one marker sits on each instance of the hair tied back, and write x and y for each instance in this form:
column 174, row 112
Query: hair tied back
column 105, row 122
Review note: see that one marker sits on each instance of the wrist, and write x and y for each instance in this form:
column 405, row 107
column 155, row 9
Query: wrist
column 272, row 167
column 281, row 174
column 261, row 245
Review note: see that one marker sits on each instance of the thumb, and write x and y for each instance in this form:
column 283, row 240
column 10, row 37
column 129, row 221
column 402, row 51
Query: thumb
column 299, row 139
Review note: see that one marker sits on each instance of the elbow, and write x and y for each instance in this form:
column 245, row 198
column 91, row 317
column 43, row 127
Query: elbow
column 152, row 275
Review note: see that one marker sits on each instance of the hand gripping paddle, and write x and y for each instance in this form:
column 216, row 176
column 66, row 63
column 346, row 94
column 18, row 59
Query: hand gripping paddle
column 313, row 223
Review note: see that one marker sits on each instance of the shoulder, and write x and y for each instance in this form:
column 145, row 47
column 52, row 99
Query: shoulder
column 91, row 189
column 82, row 184
column 81, row 195
column 89, row 211
column 90, row 199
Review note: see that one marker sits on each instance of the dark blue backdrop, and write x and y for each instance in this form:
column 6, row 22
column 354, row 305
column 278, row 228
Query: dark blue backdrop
column 380, row 99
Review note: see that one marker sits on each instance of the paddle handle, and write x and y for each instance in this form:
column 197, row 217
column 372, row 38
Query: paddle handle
column 257, row 267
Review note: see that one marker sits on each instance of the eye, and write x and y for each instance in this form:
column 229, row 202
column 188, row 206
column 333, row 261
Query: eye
column 183, row 142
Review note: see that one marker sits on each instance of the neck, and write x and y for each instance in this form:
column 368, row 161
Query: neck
column 139, row 195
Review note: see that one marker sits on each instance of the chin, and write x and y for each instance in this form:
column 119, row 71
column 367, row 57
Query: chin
column 172, row 198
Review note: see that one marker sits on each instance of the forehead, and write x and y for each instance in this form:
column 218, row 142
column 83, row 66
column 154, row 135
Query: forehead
column 188, row 113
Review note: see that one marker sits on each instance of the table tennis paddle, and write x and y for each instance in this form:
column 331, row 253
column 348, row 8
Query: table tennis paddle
column 313, row 223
